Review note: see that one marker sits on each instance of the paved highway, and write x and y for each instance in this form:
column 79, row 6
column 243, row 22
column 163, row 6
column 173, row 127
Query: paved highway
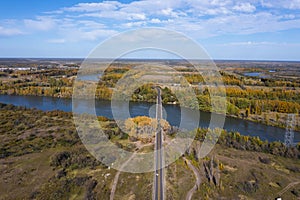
column 159, row 159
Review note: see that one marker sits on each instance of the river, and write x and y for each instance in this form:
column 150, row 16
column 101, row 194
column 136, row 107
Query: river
column 173, row 114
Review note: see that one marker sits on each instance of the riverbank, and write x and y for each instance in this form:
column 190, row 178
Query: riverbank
column 267, row 101
column 174, row 113
column 274, row 119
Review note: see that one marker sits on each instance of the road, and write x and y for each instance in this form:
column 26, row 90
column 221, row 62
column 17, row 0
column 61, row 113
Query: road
column 159, row 159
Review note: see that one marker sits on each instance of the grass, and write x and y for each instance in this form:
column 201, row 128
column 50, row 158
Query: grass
column 179, row 180
column 134, row 186
column 21, row 176
column 243, row 167
column 26, row 171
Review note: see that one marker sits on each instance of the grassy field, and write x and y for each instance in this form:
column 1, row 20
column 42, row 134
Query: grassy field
column 42, row 157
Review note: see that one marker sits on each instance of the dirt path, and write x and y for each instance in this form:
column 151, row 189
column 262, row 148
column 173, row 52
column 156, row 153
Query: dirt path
column 116, row 179
column 139, row 146
column 198, row 180
column 287, row 188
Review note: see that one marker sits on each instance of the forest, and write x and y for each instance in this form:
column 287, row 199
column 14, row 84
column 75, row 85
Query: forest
column 265, row 100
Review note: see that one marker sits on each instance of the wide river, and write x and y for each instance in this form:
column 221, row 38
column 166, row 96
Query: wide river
column 173, row 114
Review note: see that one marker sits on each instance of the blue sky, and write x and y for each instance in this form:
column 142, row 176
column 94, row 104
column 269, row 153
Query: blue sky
column 227, row 29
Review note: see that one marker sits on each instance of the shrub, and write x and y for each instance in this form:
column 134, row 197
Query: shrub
column 60, row 159
column 264, row 160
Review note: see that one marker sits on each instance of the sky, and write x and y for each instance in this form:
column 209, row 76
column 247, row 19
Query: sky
column 226, row 29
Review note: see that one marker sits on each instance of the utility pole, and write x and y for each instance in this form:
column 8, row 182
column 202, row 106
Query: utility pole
column 289, row 134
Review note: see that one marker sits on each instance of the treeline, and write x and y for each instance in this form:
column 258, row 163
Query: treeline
column 275, row 94
column 241, row 99
column 48, row 73
column 112, row 74
column 65, row 92
column 279, row 83
column 230, row 79
column 242, row 142
column 254, row 101
column 259, row 106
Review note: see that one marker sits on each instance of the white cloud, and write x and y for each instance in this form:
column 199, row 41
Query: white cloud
column 199, row 19
column 9, row 31
column 287, row 4
column 169, row 12
column 85, row 34
column 251, row 23
column 221, row 3
column 244, row 7
column 134, row 24
column 57, row 41
column 216, row 11
column 96, row 34
column 294, row 4
column 91, row 7
column 248, row 43
column 42, row 23
column 88, row 24
column 116, row 15
column 153, row 6
column 288, row 17
column 137, row 16
column 253, row 44
column 155, row 21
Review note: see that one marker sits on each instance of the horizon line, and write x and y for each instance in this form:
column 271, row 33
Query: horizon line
column 153, row 59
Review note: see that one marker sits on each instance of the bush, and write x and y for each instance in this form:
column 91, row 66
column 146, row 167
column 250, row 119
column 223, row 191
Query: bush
column 60, row 159
column 264, row 160
column 248, row 187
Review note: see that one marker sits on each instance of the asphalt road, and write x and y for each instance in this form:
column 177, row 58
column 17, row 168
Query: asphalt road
column 159, row 172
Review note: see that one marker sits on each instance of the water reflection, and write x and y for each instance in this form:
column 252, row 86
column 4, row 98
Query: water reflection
column 174, row 113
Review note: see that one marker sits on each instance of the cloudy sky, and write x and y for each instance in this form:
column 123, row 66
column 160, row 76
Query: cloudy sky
column 228, row 29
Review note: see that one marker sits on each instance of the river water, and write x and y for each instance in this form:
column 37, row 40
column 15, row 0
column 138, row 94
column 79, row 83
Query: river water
column 173, row 114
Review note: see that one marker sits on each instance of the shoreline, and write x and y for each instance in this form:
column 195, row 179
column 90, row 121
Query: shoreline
column 250, row 119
